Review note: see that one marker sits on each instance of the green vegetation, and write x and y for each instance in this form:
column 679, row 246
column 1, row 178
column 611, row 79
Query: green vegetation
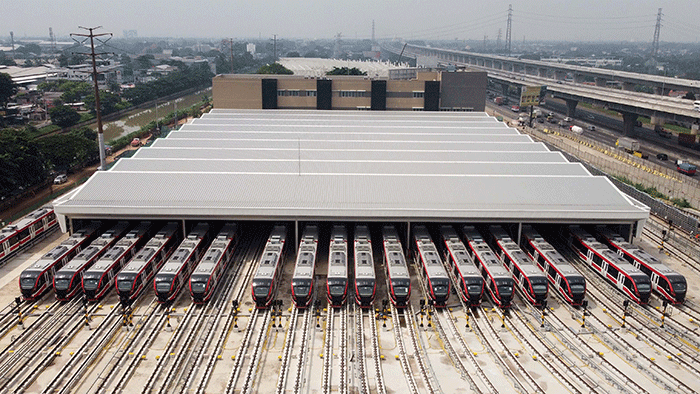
column 346, row 71
column 197, row 75
column 7, row 89
column 274, row 68
column 651, row 190
column 64, row 116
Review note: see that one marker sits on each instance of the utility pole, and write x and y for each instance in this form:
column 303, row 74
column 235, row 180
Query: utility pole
column 498, row 40
column 93, row 55
column 508, row 28
column 373, row 32
column 12, row 39
column 657, row 30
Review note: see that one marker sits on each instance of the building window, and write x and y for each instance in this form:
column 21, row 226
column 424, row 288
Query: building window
column 418, row 94
column 351, row 93
column 310, row 93
column 417, row 108
column 281, row 93
column 288, row 93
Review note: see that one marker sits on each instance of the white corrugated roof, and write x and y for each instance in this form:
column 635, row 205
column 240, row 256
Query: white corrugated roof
column 363, row 165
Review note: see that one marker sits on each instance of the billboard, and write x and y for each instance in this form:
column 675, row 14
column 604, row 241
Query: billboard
column 532, row 95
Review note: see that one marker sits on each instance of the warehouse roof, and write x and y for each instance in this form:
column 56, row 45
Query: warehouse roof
column 407, row 166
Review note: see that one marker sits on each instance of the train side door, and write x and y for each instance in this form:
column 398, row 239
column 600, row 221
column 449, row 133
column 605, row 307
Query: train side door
column 654, row 280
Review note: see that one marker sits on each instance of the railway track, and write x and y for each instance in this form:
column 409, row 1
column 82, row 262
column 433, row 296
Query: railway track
column 653, row 232
column 328, row 351
column 403, row 357
column 245, row 343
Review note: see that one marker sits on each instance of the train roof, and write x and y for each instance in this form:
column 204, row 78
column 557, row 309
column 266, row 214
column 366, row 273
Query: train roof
column 64, row 247
column 338, row 253
column 193, row 173
column 620, row 263
column 638, row 253
column 23, row 222
column 153, row 245
column 272, row 252
column 520, row 258
column 458, row 251
column 306, row 256
column 216, row 250
column 551, row 254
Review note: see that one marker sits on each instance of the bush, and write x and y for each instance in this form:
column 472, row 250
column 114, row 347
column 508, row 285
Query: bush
column 64, row 116
column 681, row 202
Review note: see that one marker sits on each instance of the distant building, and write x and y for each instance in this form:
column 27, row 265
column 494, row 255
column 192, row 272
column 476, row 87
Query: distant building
column 83, row 72
column 131, row 33
column 250, row 48
column 428, row 91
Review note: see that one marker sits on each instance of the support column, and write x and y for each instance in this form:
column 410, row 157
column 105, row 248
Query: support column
column 504, row 87
column 579, row 78
column 661, row 91
column 629, row 121
column 628, row 86
column 600, row 82
column 559, row 75
column 542, row 72
column 571, row 107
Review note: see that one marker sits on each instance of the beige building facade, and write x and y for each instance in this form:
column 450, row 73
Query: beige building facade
column 428, row 91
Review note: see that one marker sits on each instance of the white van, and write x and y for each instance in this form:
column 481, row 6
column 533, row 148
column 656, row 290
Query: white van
column 696, row 105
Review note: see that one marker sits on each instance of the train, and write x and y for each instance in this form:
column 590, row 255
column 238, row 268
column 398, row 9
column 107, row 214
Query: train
column 337, row 279
column 97, row 280
column 266, row 278
column 209, row 271
column 498, row 281
column 471, row 283
column 68, row 280
column 365, row 277
column 137, row 274
column 25, row 231
column 611, row 266
column 526, row 275
column 176, row 271
column 667, row 283
column 562, row 276
column 303, row 276
column 437, row 281
column 38, row 278
column 398, row 278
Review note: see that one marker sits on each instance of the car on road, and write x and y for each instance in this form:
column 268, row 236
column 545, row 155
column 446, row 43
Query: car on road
column 136, row 142
column 590, row 128
column 540, row 120
column 63, row 178
column 515, row 108
column 662, row 156
column 567, row 119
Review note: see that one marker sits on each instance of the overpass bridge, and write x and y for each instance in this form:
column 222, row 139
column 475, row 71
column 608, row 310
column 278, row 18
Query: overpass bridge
column 514, row 72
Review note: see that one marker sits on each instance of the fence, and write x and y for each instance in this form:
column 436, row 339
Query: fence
column 602, row 160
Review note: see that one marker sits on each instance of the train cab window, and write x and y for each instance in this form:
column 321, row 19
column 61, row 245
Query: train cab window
column 474, row 286
column 505, row 287
column 90, row 284
column 440, row 286
column 27, row 283
column 24, row 233
column 124, row 285
column 301, row 287
column 539, row 287
column 62, row 283
column 552, row 271
column 643, row 285
column 261, row 287
column 611, row 270
column 198, row 283
column 365, row 288
column 336, row 287
column 679, row 285
column 163, row 286
column 401, row 287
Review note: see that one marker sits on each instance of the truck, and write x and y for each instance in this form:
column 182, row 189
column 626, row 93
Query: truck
column 576, row 129
column 628, row 144
column 687, row 140
column 498, row 100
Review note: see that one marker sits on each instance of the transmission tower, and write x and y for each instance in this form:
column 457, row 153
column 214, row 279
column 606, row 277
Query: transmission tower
column 657, row 30
column 508, row 28
column 373, row 32
column 92, row 36
column 53, row 41
column 498, row 41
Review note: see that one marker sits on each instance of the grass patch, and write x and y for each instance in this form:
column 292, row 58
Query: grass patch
column 85, row 116
column 679, row 202
column 44, row 130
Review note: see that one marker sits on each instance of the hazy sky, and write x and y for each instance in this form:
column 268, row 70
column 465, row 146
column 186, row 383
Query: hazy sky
column 578, row 20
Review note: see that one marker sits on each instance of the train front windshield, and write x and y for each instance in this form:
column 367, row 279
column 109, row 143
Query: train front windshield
column 441, row 287
column 301, row 287
column 62, row 283
column 539, row 286
column 578, row 285
column 125, row 283
column 336, row 287
column 27, row 280
column 164, row 283
column 365, row 288
column 474, row 286
column 90, row 283
column 679, row 285
column 505, row 287
column 198, row 283
column 401, row 287
column 261, row 287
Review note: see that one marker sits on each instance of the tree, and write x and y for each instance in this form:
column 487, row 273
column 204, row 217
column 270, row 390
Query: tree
column 64, row 116
column 109, row 102
column 21, row 162
column 8, row 88
column 346, row 71
column 274, row 68
column 293, row 54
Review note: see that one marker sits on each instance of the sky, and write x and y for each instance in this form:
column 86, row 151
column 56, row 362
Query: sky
column 552, row 20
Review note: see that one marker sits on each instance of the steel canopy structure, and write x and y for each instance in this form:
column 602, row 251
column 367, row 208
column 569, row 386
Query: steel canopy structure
column 275, row 165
